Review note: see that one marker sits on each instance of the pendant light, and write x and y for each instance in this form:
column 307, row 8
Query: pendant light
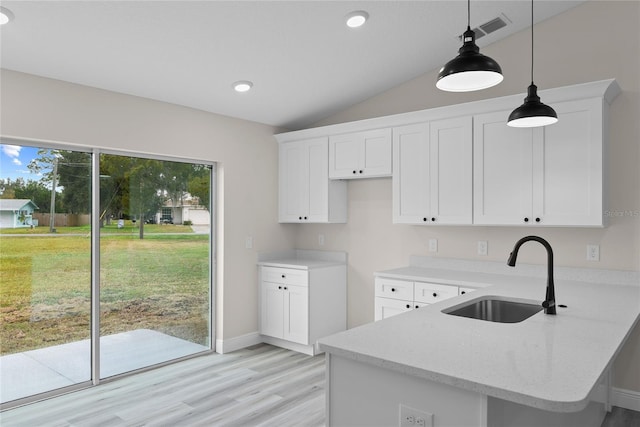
column 470, row 70
column 532, row 113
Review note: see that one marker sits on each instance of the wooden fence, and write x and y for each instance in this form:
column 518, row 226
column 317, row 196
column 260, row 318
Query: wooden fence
column 62, row 220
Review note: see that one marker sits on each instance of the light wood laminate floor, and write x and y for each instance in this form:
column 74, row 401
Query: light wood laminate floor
column 258, row 386
column 261, row 385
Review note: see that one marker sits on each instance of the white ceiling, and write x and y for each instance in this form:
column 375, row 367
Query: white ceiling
column 304, row 62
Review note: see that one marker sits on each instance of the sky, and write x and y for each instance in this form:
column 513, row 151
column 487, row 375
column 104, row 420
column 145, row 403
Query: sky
column 14, row 160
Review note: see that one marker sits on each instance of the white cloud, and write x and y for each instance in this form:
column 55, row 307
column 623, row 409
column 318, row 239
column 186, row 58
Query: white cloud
column 12, row 151
column 17, row 162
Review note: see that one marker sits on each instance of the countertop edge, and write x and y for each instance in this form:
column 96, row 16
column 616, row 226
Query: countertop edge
column 511, row 396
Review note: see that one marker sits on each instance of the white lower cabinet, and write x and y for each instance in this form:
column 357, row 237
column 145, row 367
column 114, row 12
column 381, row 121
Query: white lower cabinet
column 395, row 296
column 299, row 306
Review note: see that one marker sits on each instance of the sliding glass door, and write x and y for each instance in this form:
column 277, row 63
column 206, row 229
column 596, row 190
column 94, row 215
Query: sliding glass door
column 45, row 270
column 116, row 248
column 154, row 261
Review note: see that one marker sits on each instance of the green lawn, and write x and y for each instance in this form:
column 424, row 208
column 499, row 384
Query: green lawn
column 129, row 228
column 159, row 283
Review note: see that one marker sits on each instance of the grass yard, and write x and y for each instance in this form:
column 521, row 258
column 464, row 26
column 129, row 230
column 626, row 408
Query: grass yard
column 159, row 283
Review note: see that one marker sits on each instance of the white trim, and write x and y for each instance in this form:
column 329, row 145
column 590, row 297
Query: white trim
column 627, row 399
column 236, row 343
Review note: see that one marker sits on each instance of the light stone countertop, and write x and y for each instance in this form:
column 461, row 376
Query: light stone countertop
column 302, row 259
column 300, row 263
column 548, row 362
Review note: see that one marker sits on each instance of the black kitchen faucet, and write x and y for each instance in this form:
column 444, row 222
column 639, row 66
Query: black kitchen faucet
column 549, row 303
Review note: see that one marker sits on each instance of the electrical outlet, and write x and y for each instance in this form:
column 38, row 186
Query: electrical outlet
column 248, row 242
column 593, row 252
column 321, row 239
column 433, row 245
column 410, row 417
column 483, row 247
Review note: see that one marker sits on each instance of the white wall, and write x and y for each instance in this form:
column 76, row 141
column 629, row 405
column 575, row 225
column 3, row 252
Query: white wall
column 597, row 40
column 43, row 109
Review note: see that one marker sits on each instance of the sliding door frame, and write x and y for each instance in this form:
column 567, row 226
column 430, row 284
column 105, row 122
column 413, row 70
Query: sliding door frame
column 95, row 261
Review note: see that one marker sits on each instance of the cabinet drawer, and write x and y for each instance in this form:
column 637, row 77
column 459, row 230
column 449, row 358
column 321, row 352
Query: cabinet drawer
column 388, row 307
column 286, row 276
column 431, row 292
column 396, row 289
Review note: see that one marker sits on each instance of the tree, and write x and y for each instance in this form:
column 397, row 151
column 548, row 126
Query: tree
column 200, row 184
column 74, row 176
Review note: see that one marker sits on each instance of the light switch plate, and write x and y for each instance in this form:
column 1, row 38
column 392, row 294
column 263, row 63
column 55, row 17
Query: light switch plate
column 248, row 242
column 433, row 245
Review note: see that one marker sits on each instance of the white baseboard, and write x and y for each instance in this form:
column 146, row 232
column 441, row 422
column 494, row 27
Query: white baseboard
column 627, row 399
column 237, row 343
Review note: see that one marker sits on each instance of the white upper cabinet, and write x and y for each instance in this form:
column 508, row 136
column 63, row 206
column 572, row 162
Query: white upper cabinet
column 305, row 192
column 360, row 154
column 432, row 178
column 460, row 164
column 549, row 176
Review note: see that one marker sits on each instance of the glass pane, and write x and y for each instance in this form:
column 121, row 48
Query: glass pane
column 45, row 265
column 154, row 261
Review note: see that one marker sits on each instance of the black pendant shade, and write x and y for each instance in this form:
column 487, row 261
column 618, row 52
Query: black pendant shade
column 470, row 70
column 532, row 113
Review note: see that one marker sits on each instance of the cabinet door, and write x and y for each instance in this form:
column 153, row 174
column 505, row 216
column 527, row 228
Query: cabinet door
column 292, row 181
column 296, row 314
column 360, row 154
column 271, row 309
column 502, row 167
column 450, row 167
column 316, row 198
column 411, row 174
column 344, row 156
column 567, row 167
column 375, row 155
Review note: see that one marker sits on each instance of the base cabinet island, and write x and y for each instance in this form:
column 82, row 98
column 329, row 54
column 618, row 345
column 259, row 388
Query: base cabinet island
column 427, row 367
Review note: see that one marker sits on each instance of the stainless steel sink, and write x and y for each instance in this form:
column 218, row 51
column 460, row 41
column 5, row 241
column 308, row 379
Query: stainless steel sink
column 495, row 309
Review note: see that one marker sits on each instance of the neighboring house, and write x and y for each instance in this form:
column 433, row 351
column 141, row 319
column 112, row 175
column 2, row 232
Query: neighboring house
column 187, row 211
column 17, row 213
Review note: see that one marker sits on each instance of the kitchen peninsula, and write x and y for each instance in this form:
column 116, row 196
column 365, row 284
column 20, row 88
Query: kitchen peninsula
column 455, row 371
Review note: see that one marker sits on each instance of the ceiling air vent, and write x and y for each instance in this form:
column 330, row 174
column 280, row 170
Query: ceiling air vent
column 490, row 27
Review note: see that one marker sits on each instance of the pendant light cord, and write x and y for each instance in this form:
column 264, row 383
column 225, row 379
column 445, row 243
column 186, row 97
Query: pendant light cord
column 469, row 14
column 531, row 41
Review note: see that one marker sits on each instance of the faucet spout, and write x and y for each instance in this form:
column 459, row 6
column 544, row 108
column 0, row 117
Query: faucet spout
column 549, row 303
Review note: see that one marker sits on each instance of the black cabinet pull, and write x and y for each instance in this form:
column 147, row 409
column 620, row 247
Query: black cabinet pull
column 417, row 306
column 526, row 219
column 283, row 276
column 433, row 219
column 424, row 219
column 408, row 306
column 354, row 172
column 463, row 292
column 360, row 171
column 305, row 217
column 537, row 219
column 435, row 295
column 279, row 287
column 300, row 217
column 393, row 289
column 285, row 288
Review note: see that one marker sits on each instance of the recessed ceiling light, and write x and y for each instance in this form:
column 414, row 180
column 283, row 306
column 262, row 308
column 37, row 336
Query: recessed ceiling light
column 242, row 86
column 5, row 15
column 357, row 19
